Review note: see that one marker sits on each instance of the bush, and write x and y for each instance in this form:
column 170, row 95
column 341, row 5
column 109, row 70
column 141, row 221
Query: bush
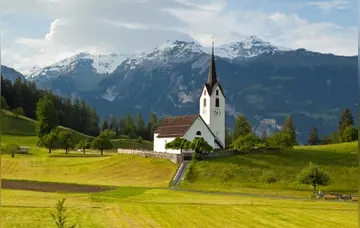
column 110, row 134
column 226, row 174
column 269, row 177
column 140, row 139
column 350, row 134
column 246, row 143
column 18, row 111
column 280, row 140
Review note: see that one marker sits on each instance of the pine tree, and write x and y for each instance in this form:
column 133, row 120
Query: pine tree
column 313, row 137
column 104, row 125
column 140, row 125
column 121, row 125
column 290, row 128
column 242, row 126
column 112, row 125
column 346, row 120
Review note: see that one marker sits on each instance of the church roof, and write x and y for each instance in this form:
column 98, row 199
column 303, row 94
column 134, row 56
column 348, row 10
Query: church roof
column 175, row 126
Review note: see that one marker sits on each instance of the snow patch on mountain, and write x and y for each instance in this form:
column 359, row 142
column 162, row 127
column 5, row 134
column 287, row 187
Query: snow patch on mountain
column 110, row 94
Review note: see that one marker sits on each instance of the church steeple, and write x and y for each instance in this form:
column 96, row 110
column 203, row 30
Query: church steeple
column 212, row 79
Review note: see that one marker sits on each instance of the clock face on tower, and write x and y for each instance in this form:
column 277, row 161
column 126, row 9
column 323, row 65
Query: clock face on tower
column 217, row 112
column 204, row 110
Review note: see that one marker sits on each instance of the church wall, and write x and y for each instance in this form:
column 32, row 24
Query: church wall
column 159, row 145
column 199, row 125
column 205, row 115
column 217, row 123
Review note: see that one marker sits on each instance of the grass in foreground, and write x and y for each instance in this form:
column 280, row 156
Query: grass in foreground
column 129, row 207
column 339, row 161
column 116, row 170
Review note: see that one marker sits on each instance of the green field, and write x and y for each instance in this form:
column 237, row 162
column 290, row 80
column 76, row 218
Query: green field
column 141, row 197
column 339, row 161
column 165, row 208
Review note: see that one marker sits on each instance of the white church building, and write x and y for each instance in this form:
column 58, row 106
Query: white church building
column 208, row 124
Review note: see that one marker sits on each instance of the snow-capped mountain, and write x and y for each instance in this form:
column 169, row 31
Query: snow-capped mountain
column 250, row 47
column 259, row 79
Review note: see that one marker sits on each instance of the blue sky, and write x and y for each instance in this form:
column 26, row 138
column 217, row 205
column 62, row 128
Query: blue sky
column 41, row 32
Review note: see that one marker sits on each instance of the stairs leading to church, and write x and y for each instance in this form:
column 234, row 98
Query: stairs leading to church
column 179, row 174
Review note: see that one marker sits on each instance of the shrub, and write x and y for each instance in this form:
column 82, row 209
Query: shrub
column 140, row 139
column 246, row 143
column 60, row 217
column 18, row 111
column 280, row 140
column 191, row 172
column 269, row 177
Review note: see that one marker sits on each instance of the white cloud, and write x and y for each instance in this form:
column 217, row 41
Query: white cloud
column 128, row 26
column 328, row 6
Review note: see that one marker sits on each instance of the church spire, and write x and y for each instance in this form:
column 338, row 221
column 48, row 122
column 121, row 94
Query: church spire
column 212, row 79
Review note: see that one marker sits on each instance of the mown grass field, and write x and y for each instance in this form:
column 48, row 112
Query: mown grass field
column 140, row 207
column 92, row 168
column 340, row 161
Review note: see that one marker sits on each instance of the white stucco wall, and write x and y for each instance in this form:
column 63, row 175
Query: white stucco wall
column 199, row 125
column 159, row 145
column 216, row 123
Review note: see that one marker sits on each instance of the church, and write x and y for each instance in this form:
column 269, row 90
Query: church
column 208, row 124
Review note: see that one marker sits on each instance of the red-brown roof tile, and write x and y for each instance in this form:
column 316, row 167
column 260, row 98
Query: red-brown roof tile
column 175, row 126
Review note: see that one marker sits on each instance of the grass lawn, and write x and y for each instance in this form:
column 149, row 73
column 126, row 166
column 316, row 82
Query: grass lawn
column 339, row 161
column 141, row 207
column 92, row 168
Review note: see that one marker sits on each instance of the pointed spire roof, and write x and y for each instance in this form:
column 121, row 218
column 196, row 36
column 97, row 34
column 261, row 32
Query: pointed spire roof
column 212, row 78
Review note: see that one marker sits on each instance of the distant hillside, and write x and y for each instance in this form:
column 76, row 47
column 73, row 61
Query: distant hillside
column 11, row 74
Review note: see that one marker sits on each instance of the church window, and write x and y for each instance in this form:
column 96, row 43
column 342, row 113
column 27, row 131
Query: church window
column 198, row 133
column 204, row 102
column 217, row 92
column 204, row 91
column 217, row 102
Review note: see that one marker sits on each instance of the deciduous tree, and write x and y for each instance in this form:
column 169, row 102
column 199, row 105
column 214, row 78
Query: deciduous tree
column 101, row 143
column 46, row 116
column 314, row 176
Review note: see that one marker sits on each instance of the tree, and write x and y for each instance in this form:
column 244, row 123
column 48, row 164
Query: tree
column 280, row 140
column 60, row 217
column 199, row 145
column 12, row 149
column 291, row 129
column 313, row 137
column 140, row 125
column 313, row 176
column 50, row 141
column 349, row 134
column 178, row 144
column 104, row 125
column 242, row 127
column 19, row 111
column 46, row 116
column 101, row 143
column 112, row 125
column 346, row 120
column 269, row 177
column 108, row 133
column 83, row 145
column 245, row 143
column 4, row 104
column 65, row 140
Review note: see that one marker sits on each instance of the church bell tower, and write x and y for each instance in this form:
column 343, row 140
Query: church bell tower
column 212, row 103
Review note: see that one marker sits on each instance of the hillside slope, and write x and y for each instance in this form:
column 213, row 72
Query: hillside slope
column 244, row 171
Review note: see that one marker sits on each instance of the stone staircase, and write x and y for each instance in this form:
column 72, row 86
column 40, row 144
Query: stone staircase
column 179, row 174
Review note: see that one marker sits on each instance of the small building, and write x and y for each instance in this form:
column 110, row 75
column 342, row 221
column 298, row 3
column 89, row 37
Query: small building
column 208, row 124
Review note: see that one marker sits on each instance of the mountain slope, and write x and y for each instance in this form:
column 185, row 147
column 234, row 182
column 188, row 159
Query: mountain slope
column 263, row 81
column 11, row 74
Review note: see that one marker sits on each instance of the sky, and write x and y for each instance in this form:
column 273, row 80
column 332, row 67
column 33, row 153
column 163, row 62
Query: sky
column 42, row 32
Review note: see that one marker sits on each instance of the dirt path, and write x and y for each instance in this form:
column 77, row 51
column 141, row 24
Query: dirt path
column 51, row 187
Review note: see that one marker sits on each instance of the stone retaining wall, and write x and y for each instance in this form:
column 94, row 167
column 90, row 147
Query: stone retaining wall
column 175, row 158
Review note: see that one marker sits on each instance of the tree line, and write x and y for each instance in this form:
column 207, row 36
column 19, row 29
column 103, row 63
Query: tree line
column 21, row 97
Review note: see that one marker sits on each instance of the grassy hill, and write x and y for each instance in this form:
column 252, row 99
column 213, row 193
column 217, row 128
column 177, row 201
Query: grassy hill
column 340, row 161
column 21, row 130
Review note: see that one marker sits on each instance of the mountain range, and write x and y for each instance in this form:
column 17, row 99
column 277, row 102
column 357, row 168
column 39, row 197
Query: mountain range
column 261, row 80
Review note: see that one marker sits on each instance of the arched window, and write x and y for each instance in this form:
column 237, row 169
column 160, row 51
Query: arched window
column 198, row 133
column 217, row 102
column 204, row 91
column 204, row 102
column 217, row 92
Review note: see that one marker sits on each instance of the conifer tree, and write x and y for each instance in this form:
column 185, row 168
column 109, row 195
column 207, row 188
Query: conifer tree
column 104, row 125
column 242, row 126
column 46, row 116
column 290, row 128
column 313, row 137
column 346, row 120
column 112, row 125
